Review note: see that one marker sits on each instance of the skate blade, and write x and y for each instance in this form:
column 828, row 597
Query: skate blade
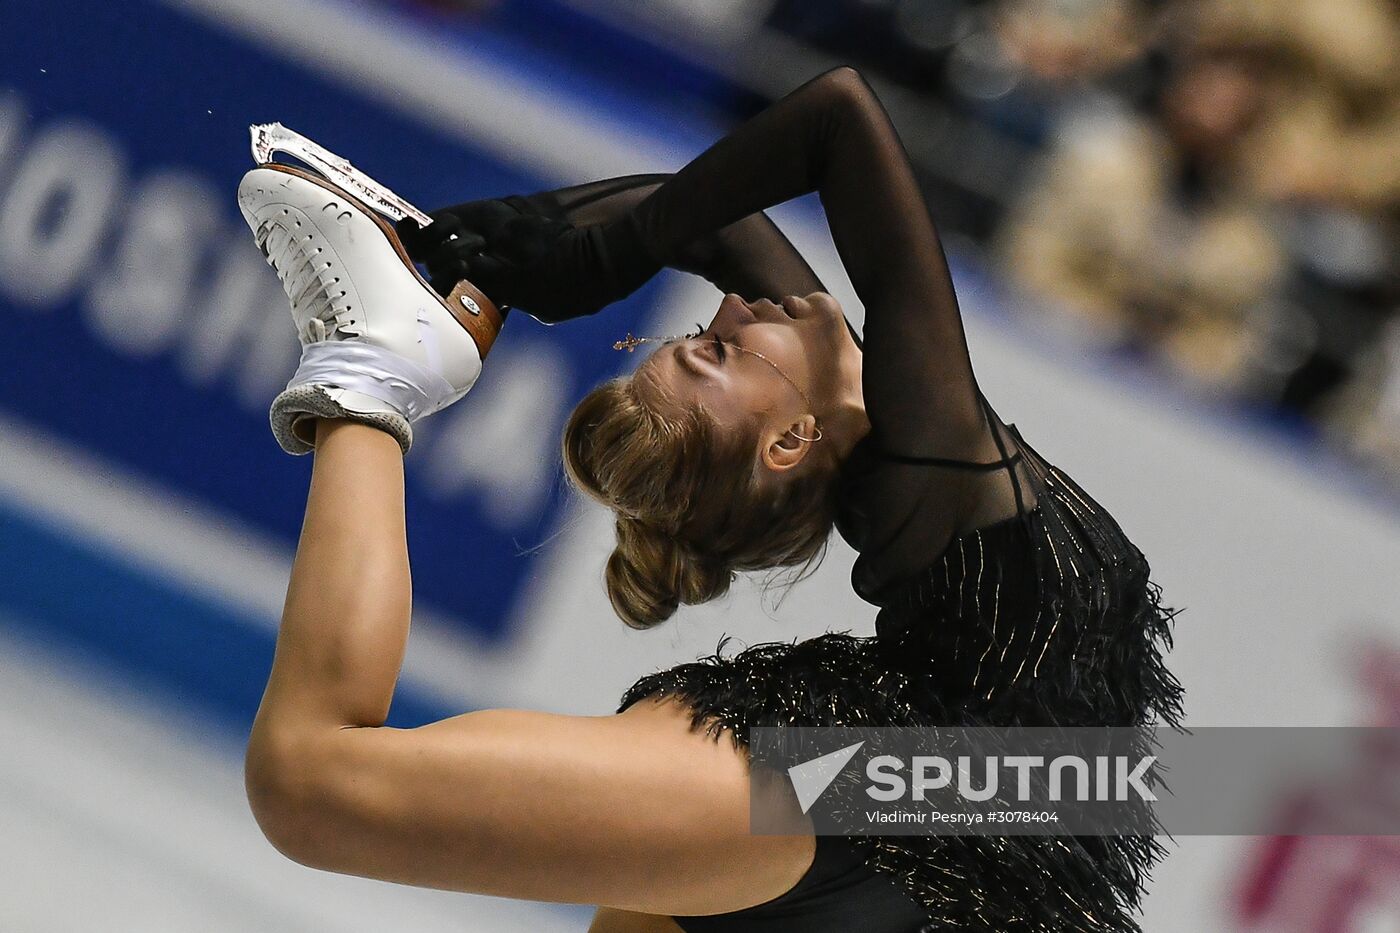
column 274, row 137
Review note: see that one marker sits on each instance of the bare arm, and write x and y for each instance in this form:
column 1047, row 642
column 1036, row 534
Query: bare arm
column 608, row 920
column 632, row 811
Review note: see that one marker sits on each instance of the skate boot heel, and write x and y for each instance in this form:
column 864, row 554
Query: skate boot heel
column 479, row 314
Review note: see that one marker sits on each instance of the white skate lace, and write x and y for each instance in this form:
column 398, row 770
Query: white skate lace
column 309, row 278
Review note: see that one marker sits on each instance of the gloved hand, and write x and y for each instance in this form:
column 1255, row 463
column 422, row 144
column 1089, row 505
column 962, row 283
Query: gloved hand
column 522, row 255
column 445, row 245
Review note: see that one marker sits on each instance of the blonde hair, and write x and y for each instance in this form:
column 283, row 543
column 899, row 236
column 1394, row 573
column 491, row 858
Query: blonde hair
column 690, row 511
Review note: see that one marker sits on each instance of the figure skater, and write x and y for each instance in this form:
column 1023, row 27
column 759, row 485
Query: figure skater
column 1006, row 594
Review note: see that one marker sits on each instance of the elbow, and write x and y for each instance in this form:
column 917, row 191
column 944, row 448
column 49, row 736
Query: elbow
column 281, row 780
column 847, row 99
column 845, row 76
column 849, row 84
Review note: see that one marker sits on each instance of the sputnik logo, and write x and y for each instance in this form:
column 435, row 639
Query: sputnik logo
column 810, row 779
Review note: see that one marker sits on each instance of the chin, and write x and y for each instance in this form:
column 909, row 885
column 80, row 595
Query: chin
column 786, row 343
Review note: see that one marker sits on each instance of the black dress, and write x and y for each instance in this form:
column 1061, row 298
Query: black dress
column 1006, row 594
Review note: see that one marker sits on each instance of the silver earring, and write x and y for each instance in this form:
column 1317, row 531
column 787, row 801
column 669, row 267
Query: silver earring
column 808, row 439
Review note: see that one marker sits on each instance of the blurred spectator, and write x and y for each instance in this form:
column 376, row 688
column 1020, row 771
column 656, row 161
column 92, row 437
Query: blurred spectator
column 1329, row 162
column 1069, row 40
column 1242, row 224
column 1138, row 223
column 1377, row 434
column 1036, row 57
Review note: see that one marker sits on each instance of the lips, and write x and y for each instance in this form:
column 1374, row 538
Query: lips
column 765, row 309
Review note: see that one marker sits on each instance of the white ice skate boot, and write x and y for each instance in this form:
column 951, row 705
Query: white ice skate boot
column 378, row 344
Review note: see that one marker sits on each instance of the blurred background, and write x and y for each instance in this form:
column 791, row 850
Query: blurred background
column 1173, row 227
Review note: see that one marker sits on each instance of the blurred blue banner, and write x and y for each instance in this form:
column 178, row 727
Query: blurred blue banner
column 142, row 324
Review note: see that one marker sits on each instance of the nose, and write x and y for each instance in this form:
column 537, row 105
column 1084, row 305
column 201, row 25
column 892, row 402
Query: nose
column 733, row 313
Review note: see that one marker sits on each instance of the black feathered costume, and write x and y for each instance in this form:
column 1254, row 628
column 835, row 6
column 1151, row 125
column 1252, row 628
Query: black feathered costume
column 1006, row 594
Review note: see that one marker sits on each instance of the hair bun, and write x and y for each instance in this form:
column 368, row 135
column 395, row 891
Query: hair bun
column 652, row 572
column 662, row 474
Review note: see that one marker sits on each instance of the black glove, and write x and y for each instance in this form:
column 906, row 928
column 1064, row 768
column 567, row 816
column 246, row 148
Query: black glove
column 444, row 246
column 521, row 253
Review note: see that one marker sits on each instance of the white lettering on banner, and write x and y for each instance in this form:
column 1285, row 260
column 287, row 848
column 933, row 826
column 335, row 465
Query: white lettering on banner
column 11, row 122
column 56, row 211
column 506, row 444
column 272, row 353
column 154, row 291
column 170, row 274
column 226, row 325
column 143, row 295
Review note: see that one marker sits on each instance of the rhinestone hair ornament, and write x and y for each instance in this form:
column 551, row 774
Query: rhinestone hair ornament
column 631, row 342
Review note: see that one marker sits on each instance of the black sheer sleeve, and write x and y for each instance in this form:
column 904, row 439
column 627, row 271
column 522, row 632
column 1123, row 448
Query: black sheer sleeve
column 832, row 136
column 751, row 257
